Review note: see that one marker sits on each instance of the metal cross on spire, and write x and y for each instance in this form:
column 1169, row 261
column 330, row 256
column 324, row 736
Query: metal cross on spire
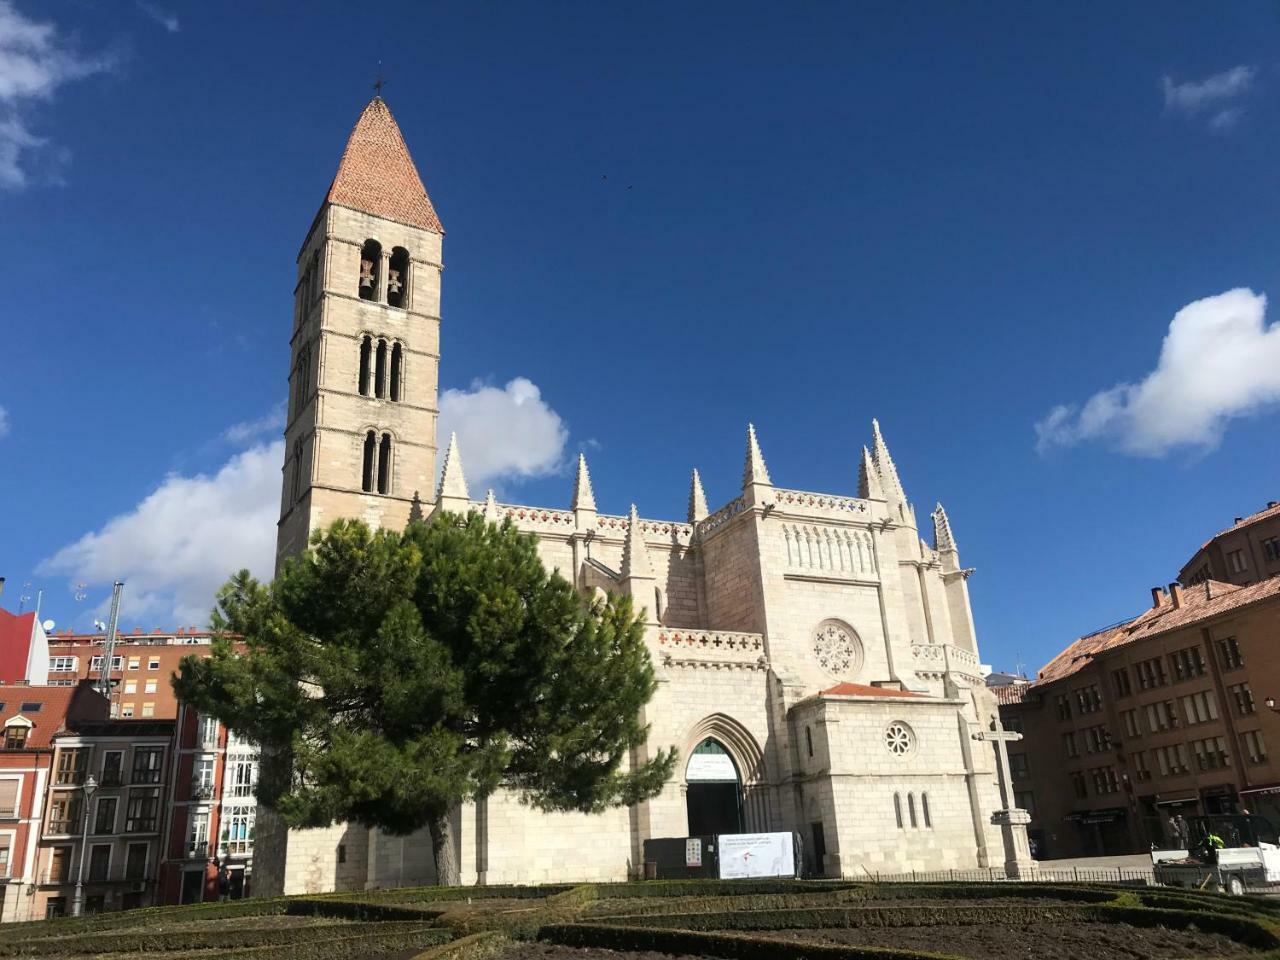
column 380, row 82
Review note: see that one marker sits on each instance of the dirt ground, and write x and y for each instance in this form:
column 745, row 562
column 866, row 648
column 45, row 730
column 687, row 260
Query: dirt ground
column 1041, row 941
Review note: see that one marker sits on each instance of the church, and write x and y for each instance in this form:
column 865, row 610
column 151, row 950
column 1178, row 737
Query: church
column 816, row 657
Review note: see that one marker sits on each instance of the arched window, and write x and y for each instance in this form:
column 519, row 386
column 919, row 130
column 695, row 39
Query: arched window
column 397, row 363
column 370, row 268
column 301, row 380
column 370, row 452
column 911, row 808
column 315, row 276
column 380, row 371
column 384, row 464
column 897, row 809
column 398, row 277
column 924, row 809
column 366, row 355
column 808, row 740
column 297, row 470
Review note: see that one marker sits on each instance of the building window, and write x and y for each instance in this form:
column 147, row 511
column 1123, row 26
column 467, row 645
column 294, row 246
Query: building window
column 1104, row 780
column 202, row 779
column 241, row 776
column 384, row 464
column 1172, row 760
column 370, row 462
column 1063, row 704
column 4, row 856
column 1089, row 699
column 237, row 830
column 301, row 379
column 1140, row 771
column 924, row 809
column 295, row 480
column 911, row 809
column 104, row 818
column 64, row 812
column 370, row 269
column 380, row 370
column 1078, row 785
column 1025, row 800
column 147, row 764
column 8, row 801
column 134, row 663
column 1199, row 707
column 1151, row 674
column 95, row 665
column 112, row 762
column 71, row 767
column 1243, row 697
column 63, row 664
column 1229, row 653
column 1187, row 663
column 1018, row 766
column 1211, row 753
column 1121, row 680
column 1162, row 716
column 1013, row 722
column 208, row 732
column 15, row 736
column 366, row 355
column 1097, row 739
column 398, row 278
column 126, row 710
column 1271, row 549
column 135, row 865
column 1130, row 719
column 897, row 809
column 150, row 687
column 397, row 366
column 153, row 663
column 1069, row 745
column 131, row 686
column 198, row 835
column 148, row 709
column 1237, row 561
column 808, row 740
column 143, row 813
column 1254, row 747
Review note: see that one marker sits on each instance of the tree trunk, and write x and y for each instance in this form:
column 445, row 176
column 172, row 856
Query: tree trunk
column 442, row 848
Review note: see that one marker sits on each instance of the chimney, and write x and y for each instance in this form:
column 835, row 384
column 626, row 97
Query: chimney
column 1270, row 504
column 1157, row 598
column 1175, row 594
column 1238, row 519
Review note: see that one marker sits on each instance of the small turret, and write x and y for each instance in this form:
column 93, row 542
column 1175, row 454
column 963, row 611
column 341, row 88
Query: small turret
column 868, row 479
column 584, row 497
column 890, row 484
column 697, row 499
column 943, row 539
column 637, row 578
column 756, row 485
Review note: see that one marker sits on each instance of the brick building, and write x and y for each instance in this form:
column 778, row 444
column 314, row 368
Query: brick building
column 1164, row 713
column 31, row 718
column 1244, row 553
column 212, row 814
column 142, row 666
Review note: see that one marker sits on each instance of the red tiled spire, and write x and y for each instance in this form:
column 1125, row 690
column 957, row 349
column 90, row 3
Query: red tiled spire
column 376, row 174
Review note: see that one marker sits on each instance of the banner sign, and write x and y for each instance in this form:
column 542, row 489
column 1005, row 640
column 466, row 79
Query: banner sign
column 711, row 768
column 756, row 855
column 693, row 852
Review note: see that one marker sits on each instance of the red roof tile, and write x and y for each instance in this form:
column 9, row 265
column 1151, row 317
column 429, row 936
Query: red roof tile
column 1007, row 693
column 862, row 690
column 58, row 707
column 376, row 174
column 1199, row 603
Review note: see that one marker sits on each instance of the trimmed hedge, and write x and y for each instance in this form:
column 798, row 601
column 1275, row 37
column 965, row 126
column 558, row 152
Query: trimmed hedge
column 522, row 923
column 154, row 940
column 358, row 910
column 1238, row 927
column 478, row 946
column 445, row 894
column 253, row 907
column 728, row 945
column 711, row 888
column 335, row 948
column 820, row 917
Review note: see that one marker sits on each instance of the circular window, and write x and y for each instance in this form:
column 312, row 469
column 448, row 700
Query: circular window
column 899, row 738
column 838, row 649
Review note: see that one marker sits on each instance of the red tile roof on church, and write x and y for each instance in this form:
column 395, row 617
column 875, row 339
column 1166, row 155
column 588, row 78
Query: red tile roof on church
column 376, row 174
column 1199, row 603
column 1009, row 693
column 862, row 690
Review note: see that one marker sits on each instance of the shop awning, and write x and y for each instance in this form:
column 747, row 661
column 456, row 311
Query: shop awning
column 1194, row 798
column 1264, row 789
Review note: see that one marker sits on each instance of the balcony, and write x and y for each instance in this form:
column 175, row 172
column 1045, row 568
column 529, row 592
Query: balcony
column 201, row 791
column 111, row 778
column 61, row 827
column 116, row 874
column 8, row 813
column 197, row 850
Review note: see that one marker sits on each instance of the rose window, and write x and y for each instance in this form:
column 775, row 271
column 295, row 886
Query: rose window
column 838, row 650
column 898, row 738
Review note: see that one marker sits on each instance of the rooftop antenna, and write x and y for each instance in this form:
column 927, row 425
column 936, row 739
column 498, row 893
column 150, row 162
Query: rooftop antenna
column 1019, row 666
column 104, row 678
column 24, row 596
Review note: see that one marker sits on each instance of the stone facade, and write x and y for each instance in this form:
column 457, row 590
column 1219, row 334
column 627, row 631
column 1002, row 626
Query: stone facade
column 815, row 638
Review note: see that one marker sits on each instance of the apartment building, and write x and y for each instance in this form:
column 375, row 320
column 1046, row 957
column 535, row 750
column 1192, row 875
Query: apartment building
column 213, row 811
column 1246, row 552
column 141, row 668
column 30, row 720
column 105, row 816
column 1161, row 714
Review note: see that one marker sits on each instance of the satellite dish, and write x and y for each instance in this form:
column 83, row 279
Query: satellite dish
column 48, row 626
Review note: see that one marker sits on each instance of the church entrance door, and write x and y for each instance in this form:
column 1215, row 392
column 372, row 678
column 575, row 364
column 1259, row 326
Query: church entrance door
column 714, row 795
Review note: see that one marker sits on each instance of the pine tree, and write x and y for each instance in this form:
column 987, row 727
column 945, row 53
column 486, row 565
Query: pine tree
column 391, row 676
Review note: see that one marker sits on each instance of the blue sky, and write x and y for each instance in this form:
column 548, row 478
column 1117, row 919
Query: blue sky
column 667, row 219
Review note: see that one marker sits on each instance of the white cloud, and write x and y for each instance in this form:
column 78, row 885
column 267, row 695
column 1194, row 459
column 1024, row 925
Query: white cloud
column 1219, row 360
column 1211, row 97
column 176, row 547
column 161, row 16
column 241, row 433
column 503, row 432
column 34, row 62
column 4, row 422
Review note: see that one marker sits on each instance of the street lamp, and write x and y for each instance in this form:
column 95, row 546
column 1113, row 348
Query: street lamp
column 1270, row 704
column 77, row 904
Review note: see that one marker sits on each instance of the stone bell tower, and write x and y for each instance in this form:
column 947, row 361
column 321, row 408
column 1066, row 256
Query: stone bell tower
column 361, row 428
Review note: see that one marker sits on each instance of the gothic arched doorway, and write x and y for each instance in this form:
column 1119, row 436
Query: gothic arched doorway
column 714, row 791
